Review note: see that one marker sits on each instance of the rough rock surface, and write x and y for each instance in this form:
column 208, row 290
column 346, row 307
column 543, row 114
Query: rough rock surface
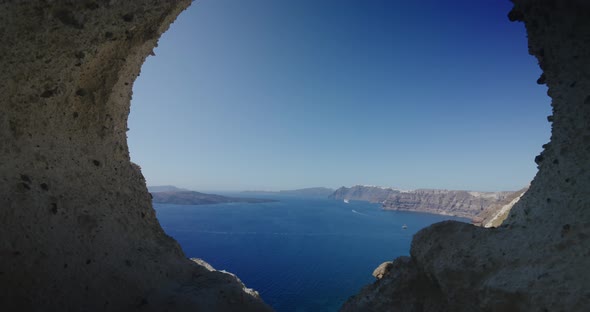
column 78, row 232
column 538, row 259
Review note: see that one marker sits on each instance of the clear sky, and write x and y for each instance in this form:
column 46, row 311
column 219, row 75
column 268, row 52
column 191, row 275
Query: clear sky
column 269, row 94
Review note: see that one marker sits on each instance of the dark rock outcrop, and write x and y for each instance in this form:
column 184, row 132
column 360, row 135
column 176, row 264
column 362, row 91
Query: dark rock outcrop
column 78, row 232
column 538, row 259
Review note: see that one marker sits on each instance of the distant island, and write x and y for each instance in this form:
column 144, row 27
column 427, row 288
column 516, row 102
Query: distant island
column 168, row 194
column 165, row 188
column 483, row 208
column 322, row 192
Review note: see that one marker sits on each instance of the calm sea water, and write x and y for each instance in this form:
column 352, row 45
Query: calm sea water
column 300, row 254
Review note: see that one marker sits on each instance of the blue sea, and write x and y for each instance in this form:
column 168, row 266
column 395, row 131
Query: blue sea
column 301, row 254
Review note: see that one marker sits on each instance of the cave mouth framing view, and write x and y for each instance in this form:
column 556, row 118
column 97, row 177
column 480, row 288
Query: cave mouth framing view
column 264, row 96
column 405, row 105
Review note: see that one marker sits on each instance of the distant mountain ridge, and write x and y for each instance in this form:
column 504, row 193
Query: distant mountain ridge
column 168, row 194
column 166, row 188
column 481, row 207
column 304, row 192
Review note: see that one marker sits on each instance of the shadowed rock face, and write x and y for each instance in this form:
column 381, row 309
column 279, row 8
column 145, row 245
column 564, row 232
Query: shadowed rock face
column 78, row 232
column 537, row 260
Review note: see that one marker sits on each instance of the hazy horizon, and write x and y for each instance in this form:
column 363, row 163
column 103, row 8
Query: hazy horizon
column 308, row 187
column 269, row 95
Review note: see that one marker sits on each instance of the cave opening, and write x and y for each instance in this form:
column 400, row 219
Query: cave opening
column 207, row 114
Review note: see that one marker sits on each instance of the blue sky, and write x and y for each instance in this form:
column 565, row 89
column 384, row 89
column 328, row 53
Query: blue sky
column 267, row 94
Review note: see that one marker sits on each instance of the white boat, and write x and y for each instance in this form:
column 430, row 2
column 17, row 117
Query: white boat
column 346, row 201
column 404, row 227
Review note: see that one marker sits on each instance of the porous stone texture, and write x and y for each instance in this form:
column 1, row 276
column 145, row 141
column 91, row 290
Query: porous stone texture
column 78, row 231
column 538, row 260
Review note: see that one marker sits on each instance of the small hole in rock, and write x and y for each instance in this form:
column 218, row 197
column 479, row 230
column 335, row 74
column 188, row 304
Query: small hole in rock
column 69, row 18
column 92, row 5
column 48, row 93
column 128, row 17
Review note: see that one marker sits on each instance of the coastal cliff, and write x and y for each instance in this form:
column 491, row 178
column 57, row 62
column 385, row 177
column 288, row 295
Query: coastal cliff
column 373, row 194
column 478, row 206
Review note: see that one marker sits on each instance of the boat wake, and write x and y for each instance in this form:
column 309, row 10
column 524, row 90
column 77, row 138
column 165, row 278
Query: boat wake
column 362, row 214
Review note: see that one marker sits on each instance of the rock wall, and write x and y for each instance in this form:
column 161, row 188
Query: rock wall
column 538, row 259
column 78, row 232
column 477, row 206
column 456, row 203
